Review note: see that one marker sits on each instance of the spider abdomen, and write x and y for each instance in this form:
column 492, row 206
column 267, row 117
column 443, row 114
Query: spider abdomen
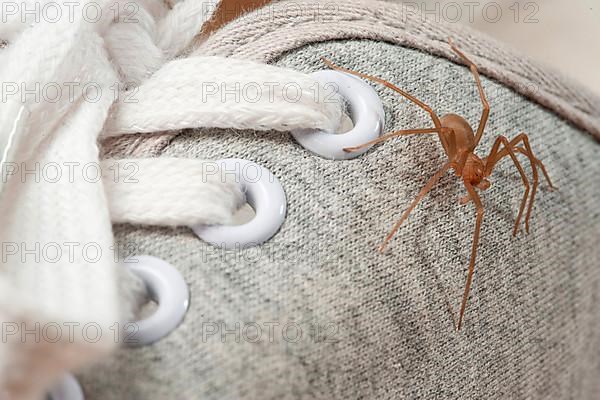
column 462, row 137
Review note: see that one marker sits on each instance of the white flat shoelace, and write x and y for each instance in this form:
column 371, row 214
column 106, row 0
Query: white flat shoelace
column 103, row 56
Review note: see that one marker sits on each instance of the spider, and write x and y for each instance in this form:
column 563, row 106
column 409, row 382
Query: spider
column 459, row 142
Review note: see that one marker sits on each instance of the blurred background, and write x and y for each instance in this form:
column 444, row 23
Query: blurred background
column 564, row 34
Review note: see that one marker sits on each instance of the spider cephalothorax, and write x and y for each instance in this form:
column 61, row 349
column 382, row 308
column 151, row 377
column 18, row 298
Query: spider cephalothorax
column 459, row 142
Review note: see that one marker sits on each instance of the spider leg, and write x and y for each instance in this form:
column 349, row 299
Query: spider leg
column 540, row 164
column 408, row 96
column 527, row 151
column 534, row 163
column 486, row 106
column 479, row 219
column 521, row 150
column 432, row 181
column 493, row 158
column 392, row 135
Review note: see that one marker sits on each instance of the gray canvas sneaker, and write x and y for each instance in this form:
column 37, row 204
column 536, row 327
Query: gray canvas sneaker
column 315, row 311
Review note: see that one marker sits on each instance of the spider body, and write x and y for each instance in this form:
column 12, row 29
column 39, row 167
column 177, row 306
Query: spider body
column 459, row 141
column 464, row 137
column 461, row 138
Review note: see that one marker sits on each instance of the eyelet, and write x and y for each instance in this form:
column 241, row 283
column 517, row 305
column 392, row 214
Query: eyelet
column 367, row 114
column 67, row 389
column 167, row 288
column 264, row 194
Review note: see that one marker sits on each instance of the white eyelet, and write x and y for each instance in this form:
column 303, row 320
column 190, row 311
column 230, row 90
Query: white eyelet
column 167, row 288
column 264, row 194
column 367, row 114
column 67, row 389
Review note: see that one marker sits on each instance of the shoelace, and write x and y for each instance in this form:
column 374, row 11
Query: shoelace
column 90, row 60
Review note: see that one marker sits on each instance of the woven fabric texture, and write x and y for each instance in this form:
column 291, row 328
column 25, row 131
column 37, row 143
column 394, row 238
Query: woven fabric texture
column 317, row 313
column 283, row 26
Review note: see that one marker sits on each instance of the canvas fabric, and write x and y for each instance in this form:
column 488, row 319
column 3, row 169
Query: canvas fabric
column 282, row 26
column 318, row 313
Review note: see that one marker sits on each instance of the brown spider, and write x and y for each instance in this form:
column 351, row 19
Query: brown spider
column 459, row 142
